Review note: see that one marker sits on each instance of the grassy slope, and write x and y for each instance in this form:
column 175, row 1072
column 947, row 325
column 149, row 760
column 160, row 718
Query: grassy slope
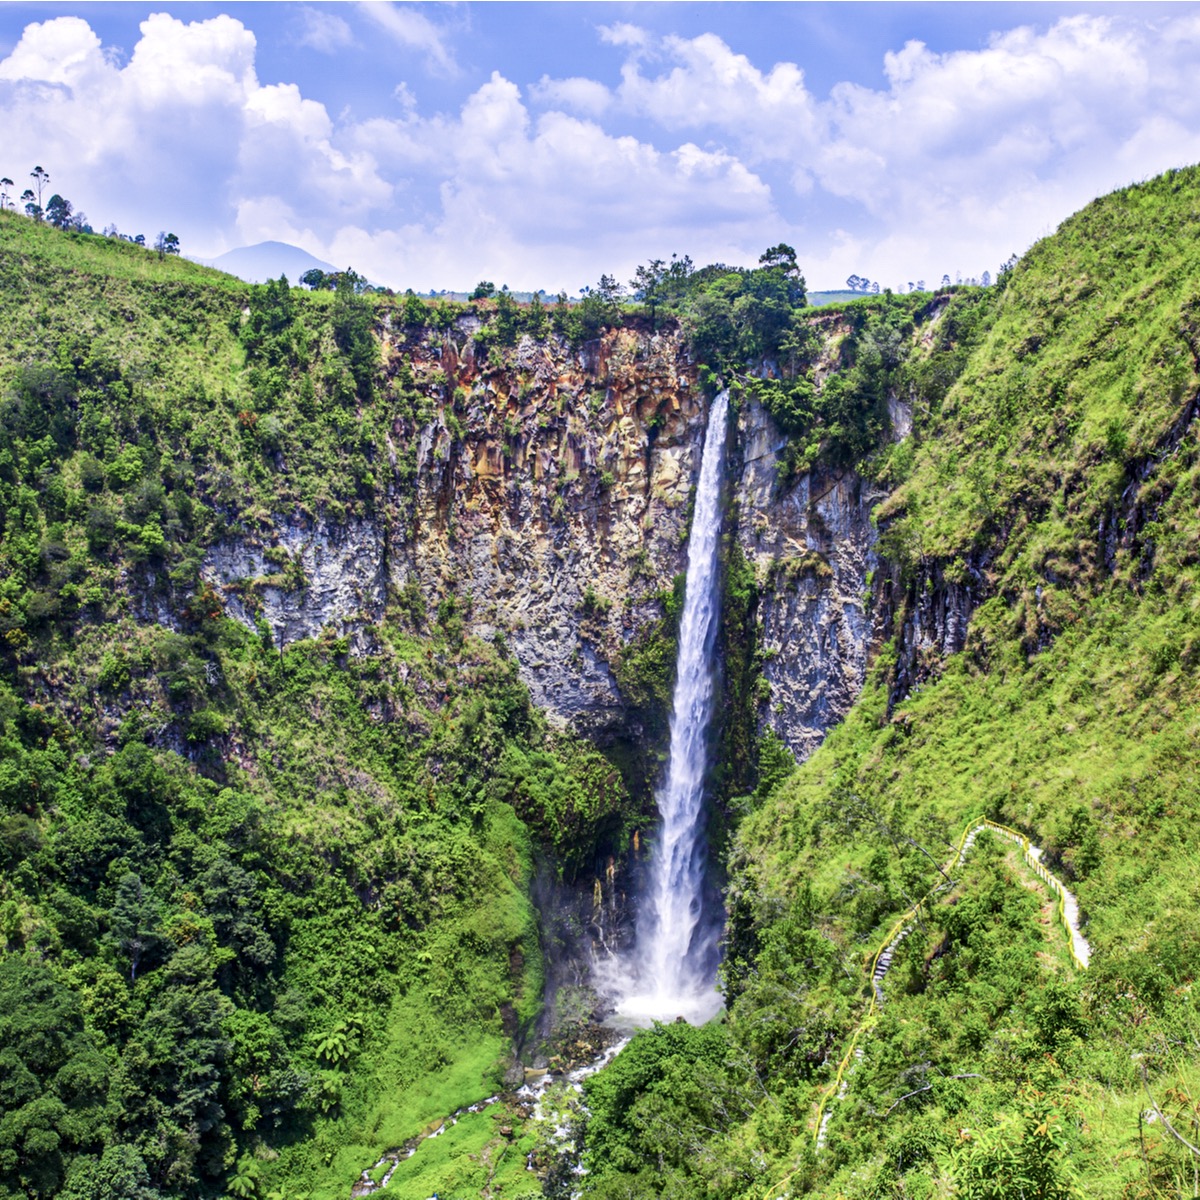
column 1072, row 713
column 1054, row 468
column 1088, row 743
column 379, row 873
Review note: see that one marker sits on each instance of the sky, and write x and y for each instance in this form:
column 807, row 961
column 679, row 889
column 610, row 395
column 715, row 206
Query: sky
column 540, row 145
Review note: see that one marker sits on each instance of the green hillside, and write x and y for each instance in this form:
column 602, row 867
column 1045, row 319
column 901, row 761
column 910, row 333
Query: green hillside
column 267, row 910
column 1058, row 479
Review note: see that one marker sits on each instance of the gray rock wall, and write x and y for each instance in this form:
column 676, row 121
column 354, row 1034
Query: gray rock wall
column 813, row 548
column 335, row 578
column 550, row 501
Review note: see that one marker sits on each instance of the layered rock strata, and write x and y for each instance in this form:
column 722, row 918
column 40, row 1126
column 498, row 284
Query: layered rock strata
column 546, row 499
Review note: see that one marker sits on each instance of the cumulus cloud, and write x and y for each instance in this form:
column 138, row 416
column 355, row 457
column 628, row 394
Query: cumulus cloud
column 955, row 161
column 961, row 157
column 186, row 135
column 61, row 51
column 576, row 94
column 547, row 199
column 621, row 33
column 979, row 152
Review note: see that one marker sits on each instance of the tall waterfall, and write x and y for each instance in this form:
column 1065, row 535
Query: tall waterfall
column 673, row 973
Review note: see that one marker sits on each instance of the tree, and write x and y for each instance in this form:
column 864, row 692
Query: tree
column 166, row 243
column 674, row 283
column 314, row 279
column 646, row 281
column 58, row 212
column 134, row 921
column 854, row 282
column 351, row 319
column 782, row 256
column 560, row 317
column 40, row 179
column 780, row 263
column 32, row 207
column 986, row 279
column 119, row 1171
column 875, row 288
column 484, row 290
column 5, row 198
column 945, row 281
column 54, row 1080
column 535, row 318
column 609, row 290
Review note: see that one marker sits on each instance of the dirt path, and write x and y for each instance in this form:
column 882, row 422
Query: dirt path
column 1068, row 915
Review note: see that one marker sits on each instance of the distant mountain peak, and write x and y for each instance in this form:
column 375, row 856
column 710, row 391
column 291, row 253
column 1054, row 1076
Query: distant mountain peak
column 268, row 260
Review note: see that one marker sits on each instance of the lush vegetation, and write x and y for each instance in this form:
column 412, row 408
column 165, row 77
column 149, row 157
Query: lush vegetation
column 266, row 910
column 1054, row 470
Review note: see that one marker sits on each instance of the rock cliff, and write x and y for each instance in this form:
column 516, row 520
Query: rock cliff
column 813, row 548
column 541, row 495
column 546, row 499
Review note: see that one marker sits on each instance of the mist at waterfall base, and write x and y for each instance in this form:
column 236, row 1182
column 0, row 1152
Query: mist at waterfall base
column 672, row 970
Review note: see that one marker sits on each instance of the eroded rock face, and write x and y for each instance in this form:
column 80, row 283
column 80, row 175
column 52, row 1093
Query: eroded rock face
column 931, row 623
column 813, row 548
column 548, row 500
column 306, row 578
column 543, row 492
column 560, row 513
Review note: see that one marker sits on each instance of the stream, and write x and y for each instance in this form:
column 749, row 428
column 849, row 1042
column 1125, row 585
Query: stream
column 528, row 1104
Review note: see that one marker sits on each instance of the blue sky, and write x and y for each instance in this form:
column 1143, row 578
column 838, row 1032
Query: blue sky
column 540, row 144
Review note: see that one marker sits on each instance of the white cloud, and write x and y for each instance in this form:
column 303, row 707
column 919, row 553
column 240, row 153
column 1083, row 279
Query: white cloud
column 772, row 113
column 413, row 30
column 404, row 96
column 621, row 33
column 183, row 136
column 322, row 30
column 955, row 161
column 973, row 154
column 61, row 51
column 577, row 94
column 960, row 158
column 549, row 202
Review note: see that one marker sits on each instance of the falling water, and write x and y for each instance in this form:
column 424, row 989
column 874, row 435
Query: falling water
column 673, row 974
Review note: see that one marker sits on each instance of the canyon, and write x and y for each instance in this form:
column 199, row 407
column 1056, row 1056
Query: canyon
column 551, row 495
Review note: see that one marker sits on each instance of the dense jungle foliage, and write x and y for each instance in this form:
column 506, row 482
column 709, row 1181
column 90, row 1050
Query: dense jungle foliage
column 265, row 910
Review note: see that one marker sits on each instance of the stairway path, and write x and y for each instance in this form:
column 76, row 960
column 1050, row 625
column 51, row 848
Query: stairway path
column 1068, row 915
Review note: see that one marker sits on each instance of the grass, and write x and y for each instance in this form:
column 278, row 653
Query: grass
column 1051, row 469
column 466, row 1160
column 1072, row 713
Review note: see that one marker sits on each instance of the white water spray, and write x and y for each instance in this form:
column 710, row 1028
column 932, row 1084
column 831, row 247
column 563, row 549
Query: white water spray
column 673, row 972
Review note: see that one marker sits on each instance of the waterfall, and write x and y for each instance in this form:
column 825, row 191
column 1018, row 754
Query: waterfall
column 674, row 969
